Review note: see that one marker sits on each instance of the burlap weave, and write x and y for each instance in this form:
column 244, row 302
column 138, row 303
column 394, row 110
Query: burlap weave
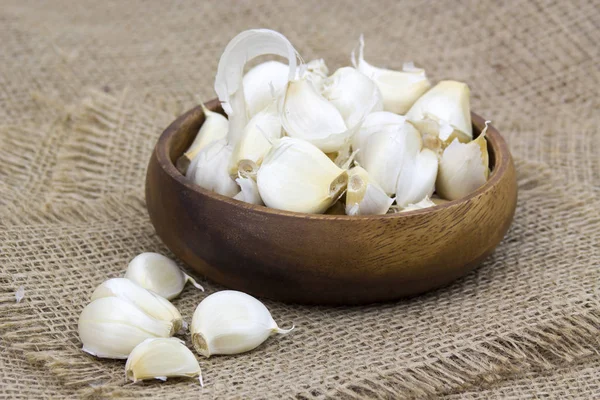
column 87, row 87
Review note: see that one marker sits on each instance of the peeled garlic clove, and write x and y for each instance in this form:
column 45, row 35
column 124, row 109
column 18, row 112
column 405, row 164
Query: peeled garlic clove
column 161, row 359
column 399, row 89
column 385, row 154
column 249, row 192
column 417, row 179
column 374, row 123
column 364, row 196
column 425, row 203
column 111, row 327
column 353, row 94
column 152, row 304
column 159, row 274
column 297, row 176
column 260, row 82
column 307, row 115
column 231, row 322
column 210, row 169
column 447, row 103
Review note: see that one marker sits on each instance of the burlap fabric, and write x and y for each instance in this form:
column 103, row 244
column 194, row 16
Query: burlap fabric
column 87, row 87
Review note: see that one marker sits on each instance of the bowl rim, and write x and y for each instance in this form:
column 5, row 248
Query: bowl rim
column 163, row 145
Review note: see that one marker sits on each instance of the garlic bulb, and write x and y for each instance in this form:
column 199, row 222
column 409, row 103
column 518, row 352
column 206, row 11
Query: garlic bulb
column 111, row 327
column 297, row 176
column 417, row 179
column 231, row 322
column 399, row 89
column 260, row 83
column 152, row 304
column 385, row 154
column 307, row 115
column 373, row 123
column 364, row 196
column 353, row 94
column 159, row 274
column 463, row 168
column 425, row 203
column 210, row 169
column 162, row 359
column 447, row 103
column 249, row 192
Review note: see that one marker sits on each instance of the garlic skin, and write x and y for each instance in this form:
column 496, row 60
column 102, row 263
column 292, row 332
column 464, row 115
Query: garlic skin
column 297, row 176
column 364, row 196
column 111, row 327
column 249, row 193
column 385, row 154
column 373, row 123
column 231, row 322
column 425, row 203
column 417, row 179
column 158, row 274
column 260, row 82
column 316, row 72
column 448, row 104
column 161, row 359
column 399, row 89
column 353, row 94
column 152, row 304
column 210, row 169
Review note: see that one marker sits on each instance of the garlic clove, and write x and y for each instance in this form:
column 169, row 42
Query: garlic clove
column 158, row 274
column 260, row 82
column 399, row 89
column 210, row 169
column 249, row 193
column 111, row 327
column 161, row 359
column 353, row 94
column 417, row 179
column 364, row 196
column 425, row 203
column 447, row 104
column 297, row 176
column 373, row 123
column 231, row 322
column 152, row 304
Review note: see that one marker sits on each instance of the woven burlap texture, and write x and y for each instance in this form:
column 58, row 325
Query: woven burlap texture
column 87, row 87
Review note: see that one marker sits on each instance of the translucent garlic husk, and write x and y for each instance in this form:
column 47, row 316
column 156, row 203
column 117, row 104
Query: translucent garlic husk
column 111, row 327
column 159, row 274
column 385, row 154
column 353, row 94
column 260, row 82
column 297, row 176
column 249, row 191
column 316, row 71
column 399, row 89
column 152, row 304
column 417, row 179
column 364, row 196
column 161, row 359
column 425, row 203
column 231, row 322
column 448, row 105
column 374, row 123
column 210, row 169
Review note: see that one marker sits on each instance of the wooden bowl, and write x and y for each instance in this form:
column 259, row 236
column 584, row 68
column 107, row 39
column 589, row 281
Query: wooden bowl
column 324, row 259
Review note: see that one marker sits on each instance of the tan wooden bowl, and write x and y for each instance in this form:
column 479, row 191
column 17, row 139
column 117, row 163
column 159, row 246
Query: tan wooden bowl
column 324, row 259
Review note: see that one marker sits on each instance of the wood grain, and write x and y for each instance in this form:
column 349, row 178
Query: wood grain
column 324, row 259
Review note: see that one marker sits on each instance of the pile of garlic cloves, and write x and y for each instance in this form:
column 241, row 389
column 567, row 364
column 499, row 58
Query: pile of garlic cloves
column 297, row 138
column 132, row 318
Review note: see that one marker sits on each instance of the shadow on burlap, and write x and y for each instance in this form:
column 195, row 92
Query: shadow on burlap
column 72, row 167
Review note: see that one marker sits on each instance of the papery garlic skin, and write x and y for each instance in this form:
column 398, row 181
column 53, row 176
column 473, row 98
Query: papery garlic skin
column 364, row 196
column 158, row 274
column 316, row 71
column 111, row 327
column 249, row 191
column 399, row 89
column 425, row 203
column 210, row 169
column 162, row 359
column 231, row 322
column 260, row 82
column 417, row 179
column 297, row 176
column 152, row 304
column 374, row 123
column 353, row 94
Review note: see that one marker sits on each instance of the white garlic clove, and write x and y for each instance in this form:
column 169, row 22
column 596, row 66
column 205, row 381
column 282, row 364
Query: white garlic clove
column 425, row 203
column 417, row 179
column 399, row 89
column 249, row 191
column 385, row 154
column 374, row 123
column 111, row 327
column 364, row 196
column 159, row 274
column 260, row 82
column 231, row 322
column 353, row 94
column 210, row 169
column 162, row 359
column 152, row 304
column 448, row 104
column 297, row 176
